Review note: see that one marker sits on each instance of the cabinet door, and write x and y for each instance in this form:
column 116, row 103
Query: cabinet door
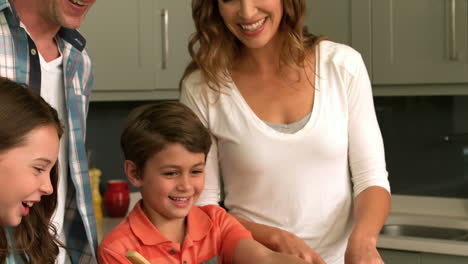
column 399, row 257
column 427, row 258
column 330, row 18
column 343, row 21
column 174, row 25
column 419, row 41
column 120, row 41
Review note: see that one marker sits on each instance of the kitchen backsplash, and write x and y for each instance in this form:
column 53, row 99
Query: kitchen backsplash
column 105, row 124
column 425, row 137
column 426, row 144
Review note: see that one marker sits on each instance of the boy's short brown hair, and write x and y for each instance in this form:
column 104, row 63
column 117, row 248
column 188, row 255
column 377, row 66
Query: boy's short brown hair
column 150, row 128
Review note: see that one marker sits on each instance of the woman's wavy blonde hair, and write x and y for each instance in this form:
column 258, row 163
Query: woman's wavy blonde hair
column 213, row 47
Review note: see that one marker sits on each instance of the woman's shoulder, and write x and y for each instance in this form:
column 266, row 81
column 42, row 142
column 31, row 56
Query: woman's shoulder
column 334, row 49
column 195, row 84
column 192, row 80
column 340, row 55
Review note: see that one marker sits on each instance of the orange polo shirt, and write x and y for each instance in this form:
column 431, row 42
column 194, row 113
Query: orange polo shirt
column 212, row 235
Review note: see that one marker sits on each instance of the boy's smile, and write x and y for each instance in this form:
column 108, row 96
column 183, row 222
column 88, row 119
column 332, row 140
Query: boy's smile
column 181, row 202
column 170, row 183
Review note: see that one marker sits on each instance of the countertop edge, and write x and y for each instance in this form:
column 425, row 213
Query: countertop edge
column 423, row 245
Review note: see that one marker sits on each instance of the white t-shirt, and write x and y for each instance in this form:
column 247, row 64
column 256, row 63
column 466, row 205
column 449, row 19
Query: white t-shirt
column 52, row 90
column 302, row 182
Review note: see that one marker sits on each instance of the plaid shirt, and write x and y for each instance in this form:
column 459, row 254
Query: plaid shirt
column 19, row 61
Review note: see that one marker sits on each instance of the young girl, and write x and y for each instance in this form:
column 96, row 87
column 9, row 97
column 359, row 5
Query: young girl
column 29, row 144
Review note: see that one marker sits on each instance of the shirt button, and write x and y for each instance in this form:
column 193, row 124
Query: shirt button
column 33, row 52
column 185, row 262
column 172, row 251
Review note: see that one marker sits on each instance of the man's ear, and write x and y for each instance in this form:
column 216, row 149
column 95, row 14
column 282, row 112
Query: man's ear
column 132, row 173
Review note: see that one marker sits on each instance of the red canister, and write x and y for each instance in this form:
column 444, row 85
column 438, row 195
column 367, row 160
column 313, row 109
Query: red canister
column 116, row 198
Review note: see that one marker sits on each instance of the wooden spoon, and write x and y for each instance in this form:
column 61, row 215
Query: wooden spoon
column 136, row 258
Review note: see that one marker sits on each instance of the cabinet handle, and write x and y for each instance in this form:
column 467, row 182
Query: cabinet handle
column 453, row 30
column 165, row 37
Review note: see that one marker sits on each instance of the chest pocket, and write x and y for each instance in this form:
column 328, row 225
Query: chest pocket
column 211, row 261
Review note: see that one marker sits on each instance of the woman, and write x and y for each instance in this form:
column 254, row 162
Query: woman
column 29, row 144
column 297, row 146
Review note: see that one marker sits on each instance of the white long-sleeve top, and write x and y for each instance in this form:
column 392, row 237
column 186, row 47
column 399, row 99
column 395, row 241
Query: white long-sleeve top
column 302, row 182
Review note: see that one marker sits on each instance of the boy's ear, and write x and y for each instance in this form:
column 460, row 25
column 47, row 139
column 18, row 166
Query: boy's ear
column 132, row 173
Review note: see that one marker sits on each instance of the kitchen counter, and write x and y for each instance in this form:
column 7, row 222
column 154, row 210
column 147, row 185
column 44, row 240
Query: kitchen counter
column 439, row 246
column 427, row 211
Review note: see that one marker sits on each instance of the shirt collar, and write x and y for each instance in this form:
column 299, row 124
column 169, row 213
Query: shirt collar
column 71, row 36
column 198, row 226
column 4, row 4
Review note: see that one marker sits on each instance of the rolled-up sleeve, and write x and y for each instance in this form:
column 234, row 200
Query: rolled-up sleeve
column 366, row 148
column 193, row 96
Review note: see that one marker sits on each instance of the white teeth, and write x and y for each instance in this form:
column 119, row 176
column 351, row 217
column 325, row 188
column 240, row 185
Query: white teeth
column 29, row 204
column 254, row 26
column 179, row 199
column 78, row 2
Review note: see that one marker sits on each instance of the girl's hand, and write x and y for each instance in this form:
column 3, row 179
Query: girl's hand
column 362, row 250
column 288, row 243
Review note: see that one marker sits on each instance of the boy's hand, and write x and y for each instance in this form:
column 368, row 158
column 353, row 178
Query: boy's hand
column 288, row 243
column 251, row 251
column 281, row 241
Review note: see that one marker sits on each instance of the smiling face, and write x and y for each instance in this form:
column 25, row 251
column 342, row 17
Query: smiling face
column 65, row 13
column 170, row 183
column 254, row 22
column 25, row 173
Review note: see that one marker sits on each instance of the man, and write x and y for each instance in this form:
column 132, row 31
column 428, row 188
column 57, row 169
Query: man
column 39, row 45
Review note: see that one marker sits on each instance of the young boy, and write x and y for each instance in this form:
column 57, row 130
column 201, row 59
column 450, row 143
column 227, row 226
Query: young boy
column 165, row 147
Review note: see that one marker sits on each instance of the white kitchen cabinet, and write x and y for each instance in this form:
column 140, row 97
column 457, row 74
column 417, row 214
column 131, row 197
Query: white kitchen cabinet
column 417, row 47
column 330, row 18
column 138, row 48
column 343, row 21
column 179, row 28
column 420, row 41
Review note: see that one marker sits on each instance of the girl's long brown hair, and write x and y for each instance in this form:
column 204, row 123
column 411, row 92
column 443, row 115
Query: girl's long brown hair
column 213, row 47
column 21, row 111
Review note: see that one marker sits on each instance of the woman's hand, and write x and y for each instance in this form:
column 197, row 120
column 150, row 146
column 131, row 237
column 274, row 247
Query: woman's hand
column 288, row 243
column 362, row 250
column 371, row 209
